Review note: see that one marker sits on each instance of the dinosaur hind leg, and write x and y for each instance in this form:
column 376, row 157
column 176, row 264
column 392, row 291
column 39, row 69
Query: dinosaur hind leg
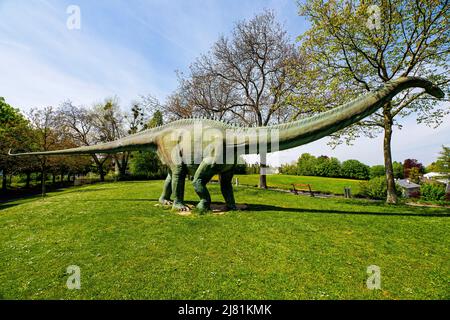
column 178, row 182
column 202, row 176
column 226, row 187
column 167, row 191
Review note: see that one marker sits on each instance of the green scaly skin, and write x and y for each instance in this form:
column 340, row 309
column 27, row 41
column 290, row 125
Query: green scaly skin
column 173, row 142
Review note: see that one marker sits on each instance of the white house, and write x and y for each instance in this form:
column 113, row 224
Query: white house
column 431, row 175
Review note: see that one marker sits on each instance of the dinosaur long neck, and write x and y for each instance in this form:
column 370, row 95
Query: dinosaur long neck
column 296, row 133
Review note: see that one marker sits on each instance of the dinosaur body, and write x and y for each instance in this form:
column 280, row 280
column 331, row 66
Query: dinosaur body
column 203, row 148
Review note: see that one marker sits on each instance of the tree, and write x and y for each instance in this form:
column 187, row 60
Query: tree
column 443, row 161
column 79, row 124
column 414, row 174
column 408, row 164
column 355, row 170
column 14, row 134
column 352, row 50
column 397, row 170
column 289, row 169
column 327, row 167
column 377, row 171
column 306, row 165
column 147, row 163
column 43, row 122
column 244, row 78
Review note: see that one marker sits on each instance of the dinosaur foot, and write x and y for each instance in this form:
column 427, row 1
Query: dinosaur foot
column 179, row 206
column 165, row 202
column 203, row 206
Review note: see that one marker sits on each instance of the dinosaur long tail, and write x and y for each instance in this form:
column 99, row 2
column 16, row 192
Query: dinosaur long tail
column 130, row 143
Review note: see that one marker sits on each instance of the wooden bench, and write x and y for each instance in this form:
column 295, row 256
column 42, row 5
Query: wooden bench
column 296, row 187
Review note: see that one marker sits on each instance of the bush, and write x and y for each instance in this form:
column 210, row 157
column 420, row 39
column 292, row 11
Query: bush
column 432, row 192
column 355, row 170
column 376, row 188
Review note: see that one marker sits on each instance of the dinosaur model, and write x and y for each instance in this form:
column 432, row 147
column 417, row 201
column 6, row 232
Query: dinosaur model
column 203, row 148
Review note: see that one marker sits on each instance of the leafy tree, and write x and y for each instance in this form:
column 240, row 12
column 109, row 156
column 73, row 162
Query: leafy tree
column 327, row 167
column 408, row 164
column 377, row 171
column 289, row 169
column 414, row 174
column 397, row 170
column 306, row 165
column 147, row 163
column 443, row 162
column 14, row 134
column 243, row 78
column 348, row 54
column 355, row 170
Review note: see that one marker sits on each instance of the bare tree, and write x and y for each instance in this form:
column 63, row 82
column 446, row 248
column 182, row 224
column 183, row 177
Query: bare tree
column 244, row 78
column 80, row 126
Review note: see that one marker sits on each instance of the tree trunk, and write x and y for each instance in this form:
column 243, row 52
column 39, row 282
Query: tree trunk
column 43, row 180
column 27, row 183
column 388, row 122
column 99, row 165
column 53, row 178
column 262, row 170
column 4, row 182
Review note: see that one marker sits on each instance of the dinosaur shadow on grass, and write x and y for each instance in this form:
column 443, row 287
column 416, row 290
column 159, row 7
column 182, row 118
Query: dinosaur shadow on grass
column 401, row 212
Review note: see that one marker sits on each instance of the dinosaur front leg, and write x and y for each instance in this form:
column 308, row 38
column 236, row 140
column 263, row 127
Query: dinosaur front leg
column 202, row 176
column 227, row 189
column 178, row 181
column 167, row 191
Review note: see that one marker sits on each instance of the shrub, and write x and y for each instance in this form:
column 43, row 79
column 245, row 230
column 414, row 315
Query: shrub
column 432, row 192
column 355, row 170
column 376, row 188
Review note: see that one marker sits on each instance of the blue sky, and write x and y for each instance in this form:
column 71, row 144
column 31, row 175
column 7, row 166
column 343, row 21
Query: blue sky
column 131, row 48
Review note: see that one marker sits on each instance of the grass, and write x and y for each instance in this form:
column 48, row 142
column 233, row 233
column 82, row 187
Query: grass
column 320, row 184
column 283, row 247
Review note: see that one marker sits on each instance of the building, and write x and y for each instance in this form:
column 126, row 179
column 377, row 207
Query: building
column 409, row 189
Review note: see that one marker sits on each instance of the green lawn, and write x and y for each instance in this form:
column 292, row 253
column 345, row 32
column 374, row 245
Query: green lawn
column 283, row 247
column 320, row 184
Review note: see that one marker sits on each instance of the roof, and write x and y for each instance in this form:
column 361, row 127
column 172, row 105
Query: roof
column 405, row 183
column 433, row 174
